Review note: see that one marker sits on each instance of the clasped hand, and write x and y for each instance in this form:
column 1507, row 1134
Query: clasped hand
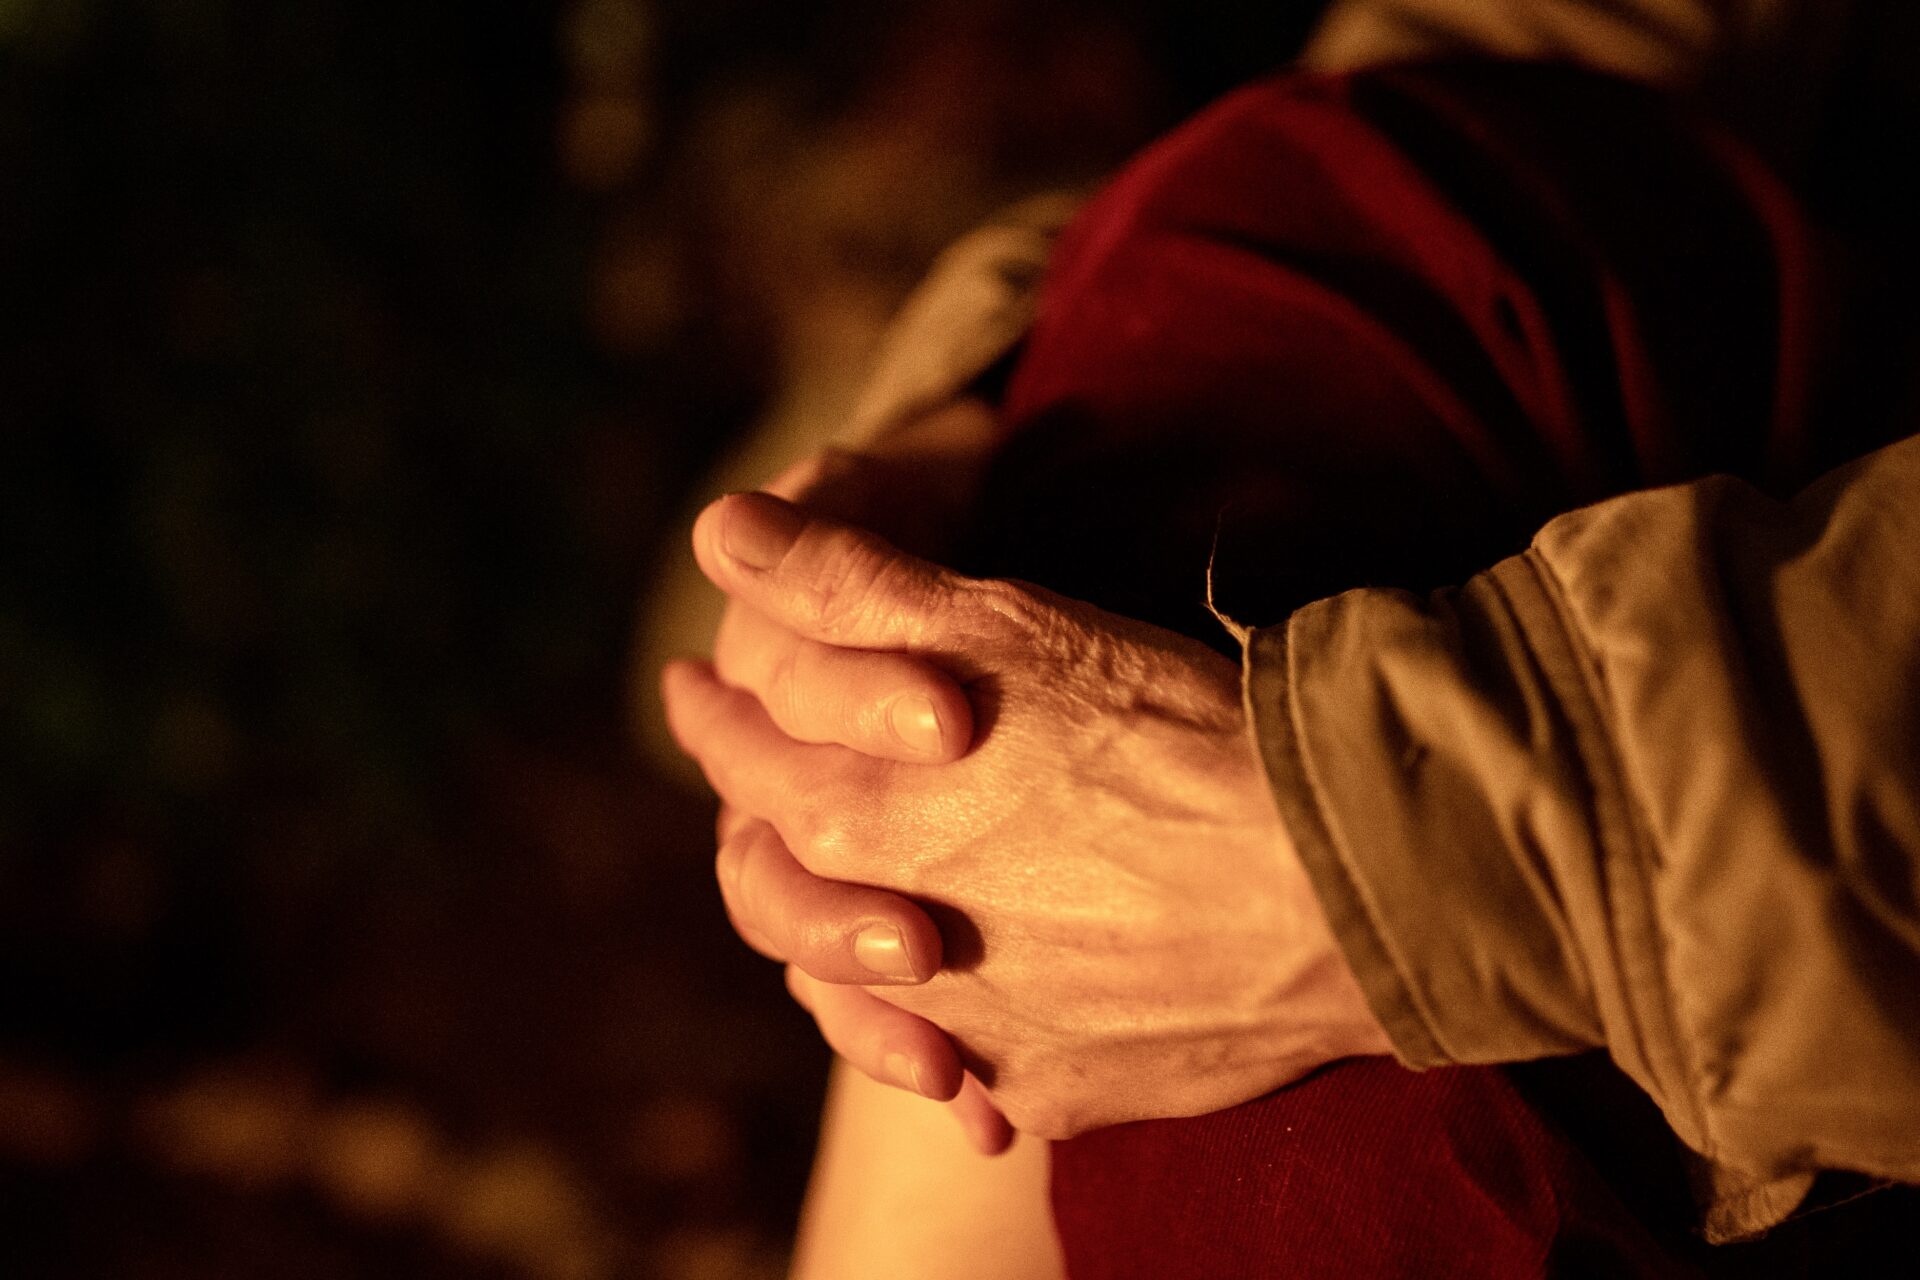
column 975, row 808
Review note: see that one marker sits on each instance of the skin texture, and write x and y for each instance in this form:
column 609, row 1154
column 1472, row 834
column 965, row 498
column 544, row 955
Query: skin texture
column 898, row 1194
column 1126, row 932
column 913, row 485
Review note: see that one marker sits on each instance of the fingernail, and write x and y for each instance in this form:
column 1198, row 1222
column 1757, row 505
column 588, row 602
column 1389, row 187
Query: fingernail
column 915, row 723
column 905, row 1073
column 881, row 949
column 757, row 531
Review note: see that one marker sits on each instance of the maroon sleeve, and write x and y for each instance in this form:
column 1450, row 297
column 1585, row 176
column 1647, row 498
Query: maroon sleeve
column 1392, row 322
column 1377, row 329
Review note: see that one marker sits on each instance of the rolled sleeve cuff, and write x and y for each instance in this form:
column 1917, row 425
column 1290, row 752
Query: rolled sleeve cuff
column 1422, row 767
column 1270, row 709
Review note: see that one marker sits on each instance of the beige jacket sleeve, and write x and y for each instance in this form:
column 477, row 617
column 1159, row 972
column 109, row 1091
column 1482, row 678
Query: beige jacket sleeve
column 1765, row 65
column 1653, row 784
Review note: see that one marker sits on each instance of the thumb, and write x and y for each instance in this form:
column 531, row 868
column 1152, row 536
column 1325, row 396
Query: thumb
column 826, row 580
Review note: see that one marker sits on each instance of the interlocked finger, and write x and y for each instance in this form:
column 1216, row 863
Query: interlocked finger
column 887, row 1043
column 753, row 766
column 836, row 932
column 892, row 705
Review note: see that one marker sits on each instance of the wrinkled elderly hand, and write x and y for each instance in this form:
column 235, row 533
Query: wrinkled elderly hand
column 1128, row 933
column 914, row 484
column 911, row 485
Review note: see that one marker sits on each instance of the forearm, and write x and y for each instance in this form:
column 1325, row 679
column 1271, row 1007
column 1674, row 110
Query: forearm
column 1650, row 785
column 897, row 1194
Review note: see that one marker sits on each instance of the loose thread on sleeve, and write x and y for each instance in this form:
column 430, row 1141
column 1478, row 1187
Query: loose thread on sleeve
column 1238, row 630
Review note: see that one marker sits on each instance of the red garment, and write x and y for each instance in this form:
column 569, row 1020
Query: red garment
column 1365, row 1170
column 1388, row 324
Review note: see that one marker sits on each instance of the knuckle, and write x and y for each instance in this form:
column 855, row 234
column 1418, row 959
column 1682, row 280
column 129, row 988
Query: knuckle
column 1012, row 604
column 838, row 823
column 852, row 580
column 818, row 942
column 834, row 839
column 901, row 587
column 801, row 810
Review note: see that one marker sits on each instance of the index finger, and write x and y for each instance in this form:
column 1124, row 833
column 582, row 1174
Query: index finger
column 896, row 706
column 835, row 931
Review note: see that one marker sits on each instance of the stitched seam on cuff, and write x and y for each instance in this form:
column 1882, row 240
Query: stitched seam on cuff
column 1619, row 834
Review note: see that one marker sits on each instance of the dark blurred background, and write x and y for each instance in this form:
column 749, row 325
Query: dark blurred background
column 356, row 361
